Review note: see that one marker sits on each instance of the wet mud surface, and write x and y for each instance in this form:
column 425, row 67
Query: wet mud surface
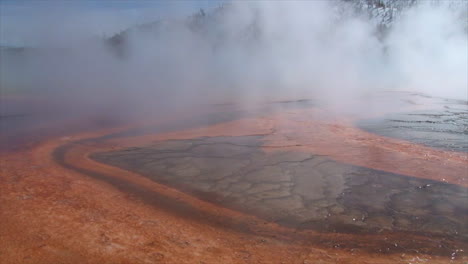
column 444, row 127
column 297, row 189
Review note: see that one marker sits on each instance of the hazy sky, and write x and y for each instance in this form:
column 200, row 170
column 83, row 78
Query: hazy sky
column 26, row 22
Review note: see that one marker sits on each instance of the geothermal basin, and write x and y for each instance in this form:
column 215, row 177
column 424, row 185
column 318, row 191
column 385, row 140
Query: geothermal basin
column 285, row 182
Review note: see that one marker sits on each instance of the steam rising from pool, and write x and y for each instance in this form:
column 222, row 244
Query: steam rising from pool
column 242, row 52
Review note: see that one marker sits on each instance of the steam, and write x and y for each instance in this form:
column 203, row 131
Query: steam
column 245, row 53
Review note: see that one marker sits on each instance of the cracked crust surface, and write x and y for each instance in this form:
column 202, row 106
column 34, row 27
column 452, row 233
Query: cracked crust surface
column 298, row 189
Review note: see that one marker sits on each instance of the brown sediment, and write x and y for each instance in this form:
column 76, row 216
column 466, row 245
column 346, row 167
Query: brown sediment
column 58, row 205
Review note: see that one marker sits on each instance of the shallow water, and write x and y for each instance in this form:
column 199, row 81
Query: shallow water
column 444, row 127
column 300, row 190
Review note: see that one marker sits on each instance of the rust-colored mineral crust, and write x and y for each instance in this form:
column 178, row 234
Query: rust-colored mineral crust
column 81, row 198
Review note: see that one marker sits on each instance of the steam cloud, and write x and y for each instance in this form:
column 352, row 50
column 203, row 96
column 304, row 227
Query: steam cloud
column 247, row 52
